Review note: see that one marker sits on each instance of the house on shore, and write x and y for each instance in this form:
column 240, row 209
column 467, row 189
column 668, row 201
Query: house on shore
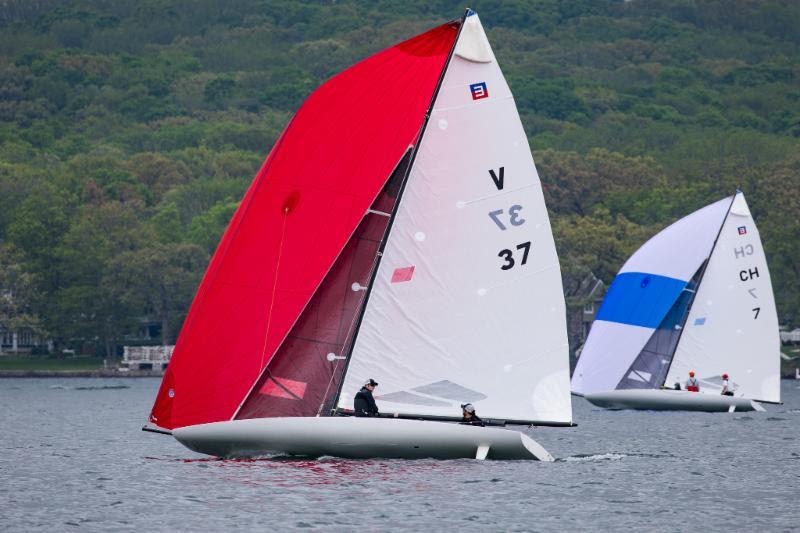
column 790, row 337
column 22, row 341
column 146, row 358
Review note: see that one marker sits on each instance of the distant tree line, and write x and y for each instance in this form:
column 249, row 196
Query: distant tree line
column 130, row 130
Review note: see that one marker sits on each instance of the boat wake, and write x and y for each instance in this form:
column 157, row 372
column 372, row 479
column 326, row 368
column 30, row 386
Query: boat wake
column 583, row 458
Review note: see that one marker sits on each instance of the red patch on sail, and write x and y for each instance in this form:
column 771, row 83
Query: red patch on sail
column 284, row 388
column 402, row 274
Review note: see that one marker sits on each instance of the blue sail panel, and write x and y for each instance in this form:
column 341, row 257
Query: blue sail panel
column 649, row 369
column 640, row 299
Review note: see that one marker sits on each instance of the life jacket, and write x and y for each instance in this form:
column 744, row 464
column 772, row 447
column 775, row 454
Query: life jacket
column 692, row 385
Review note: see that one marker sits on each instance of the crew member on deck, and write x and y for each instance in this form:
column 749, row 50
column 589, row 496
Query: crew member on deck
column 364, row 403
column 692, row 385
column 468, row 415
column 726, row 387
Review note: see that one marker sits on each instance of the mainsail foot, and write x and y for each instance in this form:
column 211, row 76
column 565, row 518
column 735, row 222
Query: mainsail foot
column 358, row 438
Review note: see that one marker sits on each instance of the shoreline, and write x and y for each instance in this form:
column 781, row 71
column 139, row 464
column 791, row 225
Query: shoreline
column 100, row 373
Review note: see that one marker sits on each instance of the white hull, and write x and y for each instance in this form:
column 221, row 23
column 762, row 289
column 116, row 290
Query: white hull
column 358, row 438
column 670, row 400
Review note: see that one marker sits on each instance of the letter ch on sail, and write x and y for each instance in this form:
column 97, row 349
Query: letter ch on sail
column 697, row 296
column 397, row 231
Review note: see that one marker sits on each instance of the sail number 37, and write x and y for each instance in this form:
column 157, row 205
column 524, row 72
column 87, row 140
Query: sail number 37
column 508, row 256
column 502, row 221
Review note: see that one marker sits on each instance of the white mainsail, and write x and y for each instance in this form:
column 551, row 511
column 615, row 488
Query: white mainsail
column 732, row 327
column 467, row 304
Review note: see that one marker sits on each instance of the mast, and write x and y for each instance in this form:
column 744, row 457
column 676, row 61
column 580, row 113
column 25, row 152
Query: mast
column 697, row 287
column 394, row 211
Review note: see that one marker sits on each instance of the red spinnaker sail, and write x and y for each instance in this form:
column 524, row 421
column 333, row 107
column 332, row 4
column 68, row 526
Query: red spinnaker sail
column 300, row 212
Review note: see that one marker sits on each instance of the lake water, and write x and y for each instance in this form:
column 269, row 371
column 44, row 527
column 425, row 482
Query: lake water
column 74, row 458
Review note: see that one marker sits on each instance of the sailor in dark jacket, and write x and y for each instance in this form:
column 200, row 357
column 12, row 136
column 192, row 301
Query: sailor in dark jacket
column 468, row 416
column 364, row 403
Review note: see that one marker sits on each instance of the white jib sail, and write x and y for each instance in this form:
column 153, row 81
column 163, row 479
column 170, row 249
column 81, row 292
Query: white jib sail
column 640, row 296
column 467, row 304
column 732, row 327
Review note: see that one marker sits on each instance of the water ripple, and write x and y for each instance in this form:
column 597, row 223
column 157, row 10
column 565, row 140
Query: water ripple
column 85, row 464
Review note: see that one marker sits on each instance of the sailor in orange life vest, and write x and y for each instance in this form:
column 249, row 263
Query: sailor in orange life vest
column 726, row 388
column 364, row 403
column 692, row 384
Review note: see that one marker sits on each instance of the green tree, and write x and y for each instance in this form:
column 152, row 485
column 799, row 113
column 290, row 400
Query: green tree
column 160, row 279
column 574, row 183
column 85, row 307
column 18, row 294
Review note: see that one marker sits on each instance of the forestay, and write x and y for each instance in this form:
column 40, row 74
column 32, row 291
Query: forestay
column 733, row 325
column 650, row 295
column 467, row 303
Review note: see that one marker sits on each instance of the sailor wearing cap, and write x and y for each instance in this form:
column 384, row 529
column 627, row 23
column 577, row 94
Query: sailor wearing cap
column 468, row 415
column 364, row 403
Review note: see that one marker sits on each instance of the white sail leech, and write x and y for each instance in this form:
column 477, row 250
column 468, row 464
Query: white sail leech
column 481, row 293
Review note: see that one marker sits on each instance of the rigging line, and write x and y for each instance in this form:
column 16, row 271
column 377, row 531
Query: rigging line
column 345, row 343
column 499, row 194
column 274, row 287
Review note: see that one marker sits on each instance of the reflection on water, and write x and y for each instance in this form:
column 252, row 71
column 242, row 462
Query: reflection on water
column 75, row 456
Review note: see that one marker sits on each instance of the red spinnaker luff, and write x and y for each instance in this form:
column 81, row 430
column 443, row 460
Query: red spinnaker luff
column 297, row 216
